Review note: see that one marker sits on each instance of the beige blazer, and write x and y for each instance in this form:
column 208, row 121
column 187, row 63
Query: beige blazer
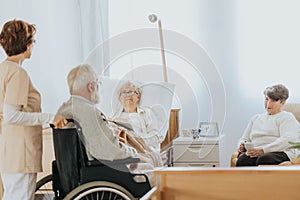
column 20, row 146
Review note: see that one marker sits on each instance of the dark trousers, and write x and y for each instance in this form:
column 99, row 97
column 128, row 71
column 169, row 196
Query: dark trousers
column 271, row 158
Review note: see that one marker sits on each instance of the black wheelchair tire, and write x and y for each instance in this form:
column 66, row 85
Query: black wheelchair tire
column 47, row 193
column 99, row 188
column 43, row 181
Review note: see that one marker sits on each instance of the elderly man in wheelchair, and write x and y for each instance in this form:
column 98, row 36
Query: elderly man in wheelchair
column 93, row 159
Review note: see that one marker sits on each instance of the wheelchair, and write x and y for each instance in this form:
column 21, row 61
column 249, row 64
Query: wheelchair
column 76, row 177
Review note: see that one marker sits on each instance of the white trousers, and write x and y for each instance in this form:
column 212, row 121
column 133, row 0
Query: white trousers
column 18, row 186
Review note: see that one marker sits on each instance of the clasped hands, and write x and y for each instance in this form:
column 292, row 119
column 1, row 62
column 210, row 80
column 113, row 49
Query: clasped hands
column 255, row 152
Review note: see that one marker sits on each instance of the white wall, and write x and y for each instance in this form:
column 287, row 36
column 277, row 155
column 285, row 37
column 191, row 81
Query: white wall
column 57, row 49
column 269, row 45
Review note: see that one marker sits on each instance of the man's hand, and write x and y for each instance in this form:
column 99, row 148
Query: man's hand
column 133, row 166
column 123, row 136
column 121, row 133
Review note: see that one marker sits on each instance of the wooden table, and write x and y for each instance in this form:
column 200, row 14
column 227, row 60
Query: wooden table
column 266, row 182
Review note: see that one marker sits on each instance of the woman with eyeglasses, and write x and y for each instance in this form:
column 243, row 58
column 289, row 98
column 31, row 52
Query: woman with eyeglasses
column 142, row 119
column 21, row 119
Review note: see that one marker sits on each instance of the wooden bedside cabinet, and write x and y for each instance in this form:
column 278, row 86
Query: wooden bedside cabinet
column 203, row 151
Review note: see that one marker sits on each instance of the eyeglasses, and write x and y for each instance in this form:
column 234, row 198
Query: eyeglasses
column 128, row 93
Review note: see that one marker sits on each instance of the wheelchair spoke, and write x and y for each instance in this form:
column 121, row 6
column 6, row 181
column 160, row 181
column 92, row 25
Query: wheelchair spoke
column 98, row 190
column 115, row 197
column 103, row 195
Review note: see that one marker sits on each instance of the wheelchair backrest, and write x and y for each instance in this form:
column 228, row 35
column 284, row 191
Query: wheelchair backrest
column 67, row 157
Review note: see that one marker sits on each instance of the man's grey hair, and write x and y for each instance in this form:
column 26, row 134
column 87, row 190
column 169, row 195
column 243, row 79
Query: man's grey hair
column 80, row 77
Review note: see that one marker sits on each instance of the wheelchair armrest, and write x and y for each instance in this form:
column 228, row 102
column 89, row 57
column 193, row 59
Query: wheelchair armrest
column 141, row 178
column 125, row 161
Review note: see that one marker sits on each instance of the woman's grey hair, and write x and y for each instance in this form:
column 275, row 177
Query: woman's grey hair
column 277, row 92
column 131, row 84
column 80, row 76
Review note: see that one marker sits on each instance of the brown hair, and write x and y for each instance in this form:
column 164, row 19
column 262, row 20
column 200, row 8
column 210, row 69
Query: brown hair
column 277, row 92
column 15, row 36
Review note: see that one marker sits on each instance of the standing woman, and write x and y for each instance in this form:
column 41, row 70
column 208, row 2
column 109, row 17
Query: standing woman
column 20, row 115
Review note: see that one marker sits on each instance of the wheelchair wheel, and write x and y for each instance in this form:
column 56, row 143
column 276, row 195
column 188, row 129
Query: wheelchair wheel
column 99, row 190
column 43, row 190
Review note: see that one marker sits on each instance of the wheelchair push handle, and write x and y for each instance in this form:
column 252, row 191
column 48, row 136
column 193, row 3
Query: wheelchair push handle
column 68, row 120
